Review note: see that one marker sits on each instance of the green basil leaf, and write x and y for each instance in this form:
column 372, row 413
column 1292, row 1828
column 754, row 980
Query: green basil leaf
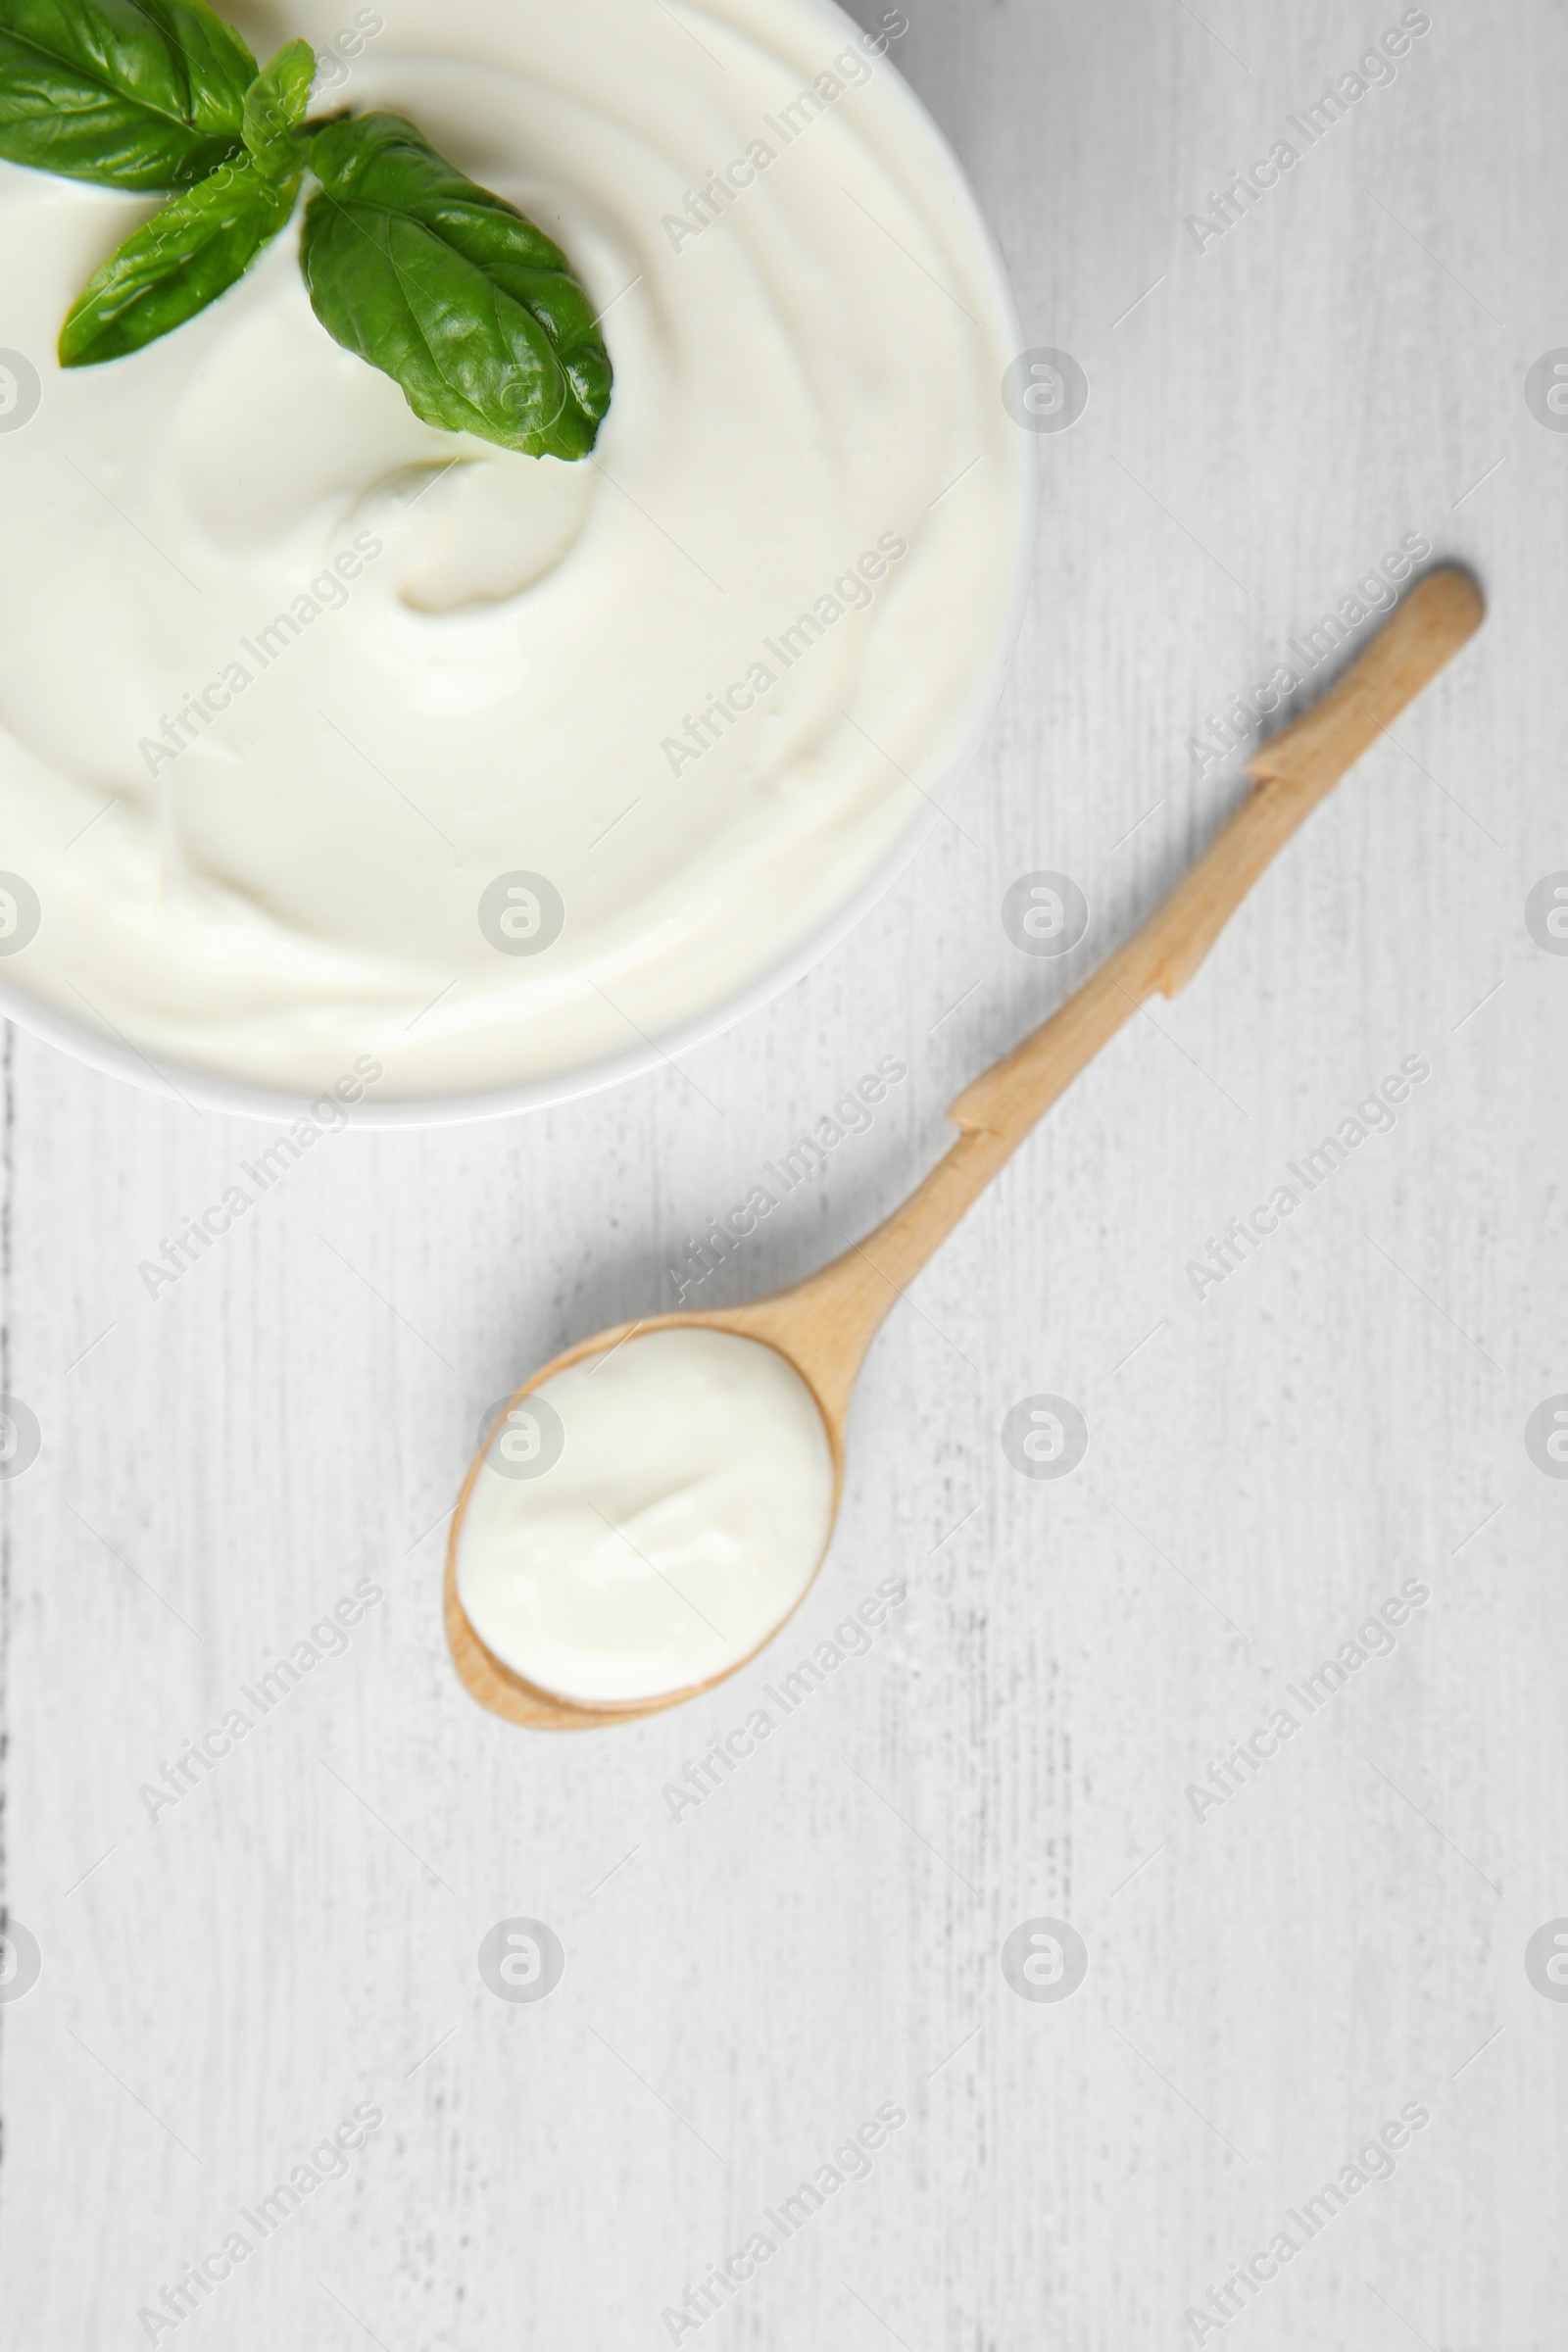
column 452, row 292
column 177, row 263
column 276, row 105
column 143, row 94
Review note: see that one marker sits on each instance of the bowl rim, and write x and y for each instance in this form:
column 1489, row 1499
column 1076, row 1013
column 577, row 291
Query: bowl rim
column 199, row 1089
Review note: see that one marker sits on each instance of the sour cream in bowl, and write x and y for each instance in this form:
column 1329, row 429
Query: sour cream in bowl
column 330, row 743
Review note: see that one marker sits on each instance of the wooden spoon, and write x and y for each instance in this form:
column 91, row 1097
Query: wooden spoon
column 824, row 1326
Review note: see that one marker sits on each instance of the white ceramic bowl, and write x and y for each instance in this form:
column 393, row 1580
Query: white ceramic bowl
column 120, row 1058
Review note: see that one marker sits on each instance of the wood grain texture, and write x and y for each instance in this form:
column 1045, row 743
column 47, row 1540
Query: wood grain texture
column 746, row 1981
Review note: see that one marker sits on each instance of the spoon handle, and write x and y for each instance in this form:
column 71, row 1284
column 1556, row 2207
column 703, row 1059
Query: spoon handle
column 1291, row 775
column 833, row 1316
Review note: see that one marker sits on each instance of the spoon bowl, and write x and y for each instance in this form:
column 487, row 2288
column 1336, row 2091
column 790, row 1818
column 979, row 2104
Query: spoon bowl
column 497, row 1686
column 823, row 1326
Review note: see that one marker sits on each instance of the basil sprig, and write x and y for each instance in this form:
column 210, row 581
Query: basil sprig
column 451, row 291
column 275, row 107
column 177, row 262
column 145, row 94
column 427, row 276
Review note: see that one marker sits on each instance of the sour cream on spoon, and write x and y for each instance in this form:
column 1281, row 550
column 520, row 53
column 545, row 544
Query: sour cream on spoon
column 648, row 1517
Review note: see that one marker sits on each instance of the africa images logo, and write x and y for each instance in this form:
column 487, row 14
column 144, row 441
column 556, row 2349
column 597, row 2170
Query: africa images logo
column 1044, row 1436
column 1045, row 1960
column 522, row 1960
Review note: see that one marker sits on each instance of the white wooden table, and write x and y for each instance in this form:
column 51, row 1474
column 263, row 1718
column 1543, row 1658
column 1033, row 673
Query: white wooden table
column 748, row 1983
